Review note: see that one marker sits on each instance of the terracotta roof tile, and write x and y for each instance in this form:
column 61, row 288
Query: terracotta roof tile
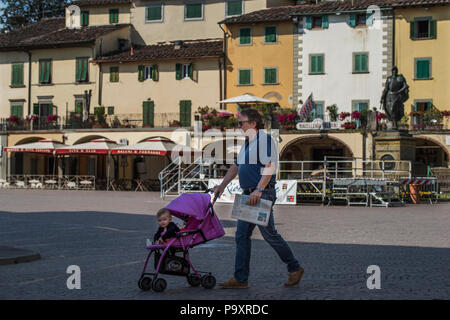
column 53, row 32
column 92, row 3
column 188, row 50
column 285, row 13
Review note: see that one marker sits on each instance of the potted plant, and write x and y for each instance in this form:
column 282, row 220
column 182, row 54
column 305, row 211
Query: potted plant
column 344, row 115
column 100, row 118
column 432, row 119
column 333, row 112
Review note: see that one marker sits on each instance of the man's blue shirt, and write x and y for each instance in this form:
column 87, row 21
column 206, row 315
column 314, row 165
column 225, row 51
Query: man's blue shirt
column 253, row 157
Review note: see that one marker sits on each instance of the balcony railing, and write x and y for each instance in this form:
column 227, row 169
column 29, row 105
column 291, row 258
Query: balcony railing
column 75, row 121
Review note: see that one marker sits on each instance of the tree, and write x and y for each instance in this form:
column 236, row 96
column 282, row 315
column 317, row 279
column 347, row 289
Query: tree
column 17, row 13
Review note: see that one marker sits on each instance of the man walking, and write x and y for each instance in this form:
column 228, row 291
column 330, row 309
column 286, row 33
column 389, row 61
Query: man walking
column 256, row 166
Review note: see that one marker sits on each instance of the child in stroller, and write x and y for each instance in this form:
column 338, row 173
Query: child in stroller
column 202, row 225
column 167, row 229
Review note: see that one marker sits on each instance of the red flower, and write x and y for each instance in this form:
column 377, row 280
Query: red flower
column 343, row 115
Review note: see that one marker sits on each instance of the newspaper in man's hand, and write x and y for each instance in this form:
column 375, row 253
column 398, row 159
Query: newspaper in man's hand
column 258, row 214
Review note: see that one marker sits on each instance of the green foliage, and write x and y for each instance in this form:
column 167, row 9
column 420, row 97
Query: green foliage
column 100, row 114
column 404, row 120
column 333, row 111
column 432, row 116
column 17, row 13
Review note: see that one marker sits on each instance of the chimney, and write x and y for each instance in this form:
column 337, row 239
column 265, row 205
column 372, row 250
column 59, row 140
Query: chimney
column 178, row 44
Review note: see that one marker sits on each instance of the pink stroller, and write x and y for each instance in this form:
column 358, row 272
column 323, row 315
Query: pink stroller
column 202, row 225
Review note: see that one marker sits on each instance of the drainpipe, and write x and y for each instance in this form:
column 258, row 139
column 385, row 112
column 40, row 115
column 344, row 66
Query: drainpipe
column 393, row 38
column 29, row 81
column 225, row 36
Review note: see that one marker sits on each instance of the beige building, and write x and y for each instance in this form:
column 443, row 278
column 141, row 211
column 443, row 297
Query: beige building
column 49, row 67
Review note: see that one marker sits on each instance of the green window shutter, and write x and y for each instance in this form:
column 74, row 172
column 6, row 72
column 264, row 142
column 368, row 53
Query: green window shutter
column 364, row 63
column 360, row 62
column 141, row 73
column 245, row 36
column 85, row 68
column 191, row 71
column 84, row 18
column 244, row 77
column 369, row 18
column 270, row 34
column 110, row 111
column 270, row 76
column 309, row 22
column 412, row 30
column 47, row 65
column 325, row 22
column 17, row 110
column 50, row 109
column 178, row 71
column 432, row 29
column 352, row 21
column 357, row 63
column 78, row 70
column 193, row 11
column 36, row 108
column 114, row 74
column 17, row 74
column 234, row 7
column 79, row 107
column 316, row 64
column 155, row 72
column 185, row 113
column 154, row 12
column 148, row 113
column 113, row 15
column 423, row 69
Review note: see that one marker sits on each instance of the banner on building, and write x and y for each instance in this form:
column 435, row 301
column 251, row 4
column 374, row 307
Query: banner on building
column 286, row 191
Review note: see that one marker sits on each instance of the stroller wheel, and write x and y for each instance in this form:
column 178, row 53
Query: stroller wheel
column 159, row 285
column 145, row 283
column 193, row 280
column 208, row 282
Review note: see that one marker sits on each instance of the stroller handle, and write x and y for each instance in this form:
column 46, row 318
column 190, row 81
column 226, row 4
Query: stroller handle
column 216, row 196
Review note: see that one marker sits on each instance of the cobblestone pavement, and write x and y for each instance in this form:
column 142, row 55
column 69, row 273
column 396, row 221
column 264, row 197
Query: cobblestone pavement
column 104, row 234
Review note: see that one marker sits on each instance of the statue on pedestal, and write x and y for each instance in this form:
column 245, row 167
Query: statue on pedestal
column 395, row 93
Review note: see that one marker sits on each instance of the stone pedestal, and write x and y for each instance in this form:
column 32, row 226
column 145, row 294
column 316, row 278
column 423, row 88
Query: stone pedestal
column 396, row 145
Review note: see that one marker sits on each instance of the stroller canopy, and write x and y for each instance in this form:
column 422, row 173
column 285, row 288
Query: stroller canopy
column 191, row 204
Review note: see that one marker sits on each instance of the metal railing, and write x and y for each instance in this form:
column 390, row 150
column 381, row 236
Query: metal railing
column 64, row 182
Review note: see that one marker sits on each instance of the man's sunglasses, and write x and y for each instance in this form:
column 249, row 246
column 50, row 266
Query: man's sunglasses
column 240, row 123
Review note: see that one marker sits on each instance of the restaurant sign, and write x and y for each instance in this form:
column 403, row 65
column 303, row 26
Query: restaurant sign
column 317, row 124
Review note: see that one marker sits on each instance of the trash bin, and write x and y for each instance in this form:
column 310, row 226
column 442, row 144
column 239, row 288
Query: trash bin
column 414, row 191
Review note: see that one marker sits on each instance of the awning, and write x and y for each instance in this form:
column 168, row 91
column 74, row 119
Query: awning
column 97, row 146
column 154, row 146
column 247, row 98
column 46, row 146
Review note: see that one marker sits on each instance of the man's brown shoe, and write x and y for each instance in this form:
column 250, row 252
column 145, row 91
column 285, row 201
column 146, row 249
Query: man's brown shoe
column 294, row 278
column 233, row 284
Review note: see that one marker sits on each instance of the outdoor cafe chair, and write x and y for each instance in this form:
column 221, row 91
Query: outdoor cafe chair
column 20, row 184
column 71, row 185
column 35, row 184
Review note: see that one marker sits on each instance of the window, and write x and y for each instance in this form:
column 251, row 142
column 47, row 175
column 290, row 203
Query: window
column 421, row 106
column 79, row 106
column 361, row 19
column 17, row 75
column 234, row 7
column 423, row 28
column 113, row 15
column 45, row 71
column 110, row 111
column 244, row 77
column 148, row 73
column 317, row 22
column 270, row 34
column 360, row 106
column 316, row 112
column 82, row 70
column 114, row 74
column 245, row 36
column 422, row 68
column 154, row 13
column 193, row 11
column 185, row 113
column 17, row 110
column 184, row 71
column 360, row 62
column 270, row 76
column 84, row 18
column 148, row 113
column 316, row 64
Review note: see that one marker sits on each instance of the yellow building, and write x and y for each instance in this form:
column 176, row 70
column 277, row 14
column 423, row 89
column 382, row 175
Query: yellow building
column 422, row 48
column 259, row 51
